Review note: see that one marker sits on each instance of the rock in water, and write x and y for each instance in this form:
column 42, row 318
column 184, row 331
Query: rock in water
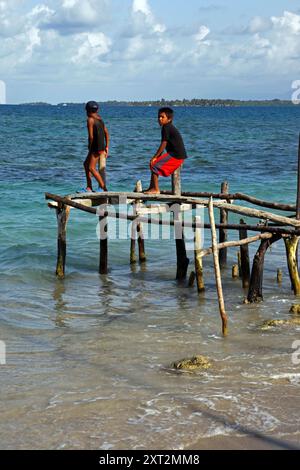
column 195, row 362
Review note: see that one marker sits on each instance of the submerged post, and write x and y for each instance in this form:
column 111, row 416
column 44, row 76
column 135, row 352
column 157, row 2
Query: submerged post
column 244, row 251
column 176, row 182
column 222, row 231
column 62, row 215
column 291, row 246
column 256, row 280
column 298, row 184
column 198, row 257
column 217, row 267
column 103, row 263
column 137, row 228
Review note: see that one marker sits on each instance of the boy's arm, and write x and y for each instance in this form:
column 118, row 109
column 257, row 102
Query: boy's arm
column 90, row 126
column 159, row 151
column 107, row 138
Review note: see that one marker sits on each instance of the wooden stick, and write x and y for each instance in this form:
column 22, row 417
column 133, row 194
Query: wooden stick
column 223, row 232
column 244, row 251
column 62, row 215
column 217, row 268
column 240, row 197
column 197, row 255
column 245, row 241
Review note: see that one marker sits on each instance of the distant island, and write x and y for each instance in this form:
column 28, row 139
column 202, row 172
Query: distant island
column 185, row 102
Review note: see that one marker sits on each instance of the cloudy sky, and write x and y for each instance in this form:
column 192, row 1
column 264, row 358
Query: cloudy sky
column 75, row 50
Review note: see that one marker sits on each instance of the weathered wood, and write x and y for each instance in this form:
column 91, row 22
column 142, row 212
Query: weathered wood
column 244, row 251
column 279, row 276
column 240, row 197
column 176, row 182
column 245, row 241
column 117, row 215
column 217, row 268
column 192, row 279
column 139, row 228
column 182, row 259
column 235, row 271
column 223, row 232
column 103, row 262
column 291, row 245
column 62, row 215
column 256, row 280
column 197, row 255
column 239, row 263
column 298, row 184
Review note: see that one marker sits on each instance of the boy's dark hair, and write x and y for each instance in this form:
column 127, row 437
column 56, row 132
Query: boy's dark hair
column 91, row 107
column 168, row 112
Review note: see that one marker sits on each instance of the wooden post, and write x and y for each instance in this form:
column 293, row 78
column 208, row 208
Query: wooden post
column 182, row 259
column 222, row 231
column 137, row 228
column 62, row 215
column 176, row 182
column 291, row 245
column 217, row 267
column 235, row 271
column 279, row 276
column 103, row 263
column 256, row 279
column 198, row 257
column 244, row 251
column 298, row 184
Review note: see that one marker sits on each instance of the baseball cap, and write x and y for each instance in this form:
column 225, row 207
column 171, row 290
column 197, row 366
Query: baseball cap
column 91, row 106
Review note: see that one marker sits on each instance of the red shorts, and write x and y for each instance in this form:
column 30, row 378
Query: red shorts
column 165, row 165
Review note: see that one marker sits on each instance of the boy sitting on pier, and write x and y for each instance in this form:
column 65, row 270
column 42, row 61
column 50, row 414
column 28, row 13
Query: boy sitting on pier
column 165, row 163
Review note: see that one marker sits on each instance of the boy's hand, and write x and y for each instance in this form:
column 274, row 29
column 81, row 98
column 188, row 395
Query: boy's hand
column 153, row 160
column 106, row 151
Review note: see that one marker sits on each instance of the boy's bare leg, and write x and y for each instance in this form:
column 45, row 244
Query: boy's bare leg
column 92, row 167
column 153, row 188
column 87, row 171
column 102, row 165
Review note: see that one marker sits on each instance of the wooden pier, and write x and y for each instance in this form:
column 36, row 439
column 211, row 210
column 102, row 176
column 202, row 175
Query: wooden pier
column 269, row 227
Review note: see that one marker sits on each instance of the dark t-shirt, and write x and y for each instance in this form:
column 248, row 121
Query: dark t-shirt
column 98, row 144
column 175, row 146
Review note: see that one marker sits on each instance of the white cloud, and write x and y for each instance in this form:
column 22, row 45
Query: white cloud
column 202, row 33
column 93, row 47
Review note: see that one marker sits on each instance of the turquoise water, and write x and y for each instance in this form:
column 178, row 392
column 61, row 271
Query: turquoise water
column 87, row 358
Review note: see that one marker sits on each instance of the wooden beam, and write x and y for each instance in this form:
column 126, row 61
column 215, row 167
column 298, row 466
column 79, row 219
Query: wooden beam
column 176, row 182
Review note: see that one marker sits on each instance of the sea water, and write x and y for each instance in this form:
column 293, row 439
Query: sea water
column 85, row 362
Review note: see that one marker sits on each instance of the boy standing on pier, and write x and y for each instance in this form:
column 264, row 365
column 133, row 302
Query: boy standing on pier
column 98, row 147
column 165, row 163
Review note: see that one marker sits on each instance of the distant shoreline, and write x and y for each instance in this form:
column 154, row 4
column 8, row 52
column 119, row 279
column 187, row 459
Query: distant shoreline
column 185, row 103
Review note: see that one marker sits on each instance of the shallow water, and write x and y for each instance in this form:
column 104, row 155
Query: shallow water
column 88, row 358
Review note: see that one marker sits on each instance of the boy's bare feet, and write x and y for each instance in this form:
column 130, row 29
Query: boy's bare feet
column 151, row 191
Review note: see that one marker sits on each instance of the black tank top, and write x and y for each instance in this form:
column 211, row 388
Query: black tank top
column 98, row 144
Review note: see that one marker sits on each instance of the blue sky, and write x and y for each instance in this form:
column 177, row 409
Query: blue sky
column 75, row 50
